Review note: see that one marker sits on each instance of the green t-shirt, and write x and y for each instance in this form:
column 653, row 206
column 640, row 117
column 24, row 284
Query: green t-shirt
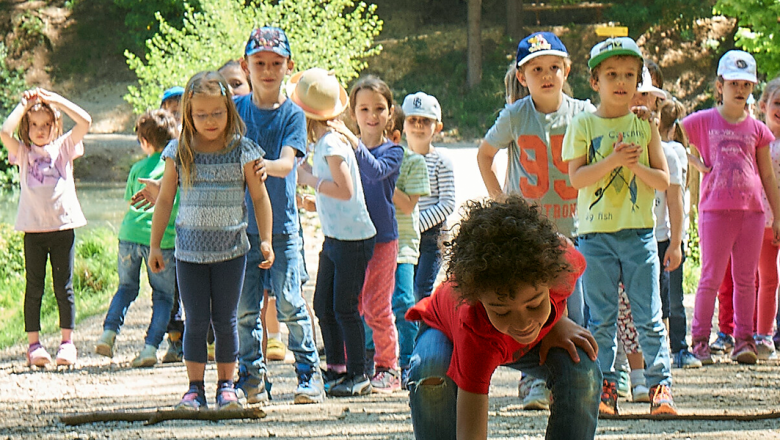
column 412, row 180
column 137, row 224
column 619, row 200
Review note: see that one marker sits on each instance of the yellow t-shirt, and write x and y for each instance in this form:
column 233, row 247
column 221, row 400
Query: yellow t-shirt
column 619, row 200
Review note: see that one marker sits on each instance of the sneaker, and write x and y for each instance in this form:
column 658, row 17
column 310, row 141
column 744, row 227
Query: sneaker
column 193, row 399
column 105, row 344
column 146, row 358
column 686, row 359
column 37, row 356
column 723, row 344
column 253, row 387
column 227, row 398
column 310, row 387
column 332, row 378
column 175, row 351
column 765, row 347
column 624, row 384
column 745, row 351
column 211, row 350
column 357, row 385
column 662, row 402
column 386, row 380
column 67, row 354
column 640, row 393
column 275, row 350
column 702, row 352
column 609, row 398
column 534, row 392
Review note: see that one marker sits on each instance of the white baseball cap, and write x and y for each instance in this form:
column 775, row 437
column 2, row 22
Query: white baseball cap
column 422, row 104
column 737, row 65
column 647, row 85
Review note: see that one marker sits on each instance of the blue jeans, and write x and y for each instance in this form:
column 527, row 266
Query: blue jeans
column 672, row 300
column 631, row 256
column 209, row 294
column 340, row 276
column 575, row 387
column 429, row 263
column 129, row 260
column 284, row 280
column 403, row 300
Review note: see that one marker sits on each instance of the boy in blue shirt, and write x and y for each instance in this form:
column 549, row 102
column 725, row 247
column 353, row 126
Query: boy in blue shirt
column 279, row 126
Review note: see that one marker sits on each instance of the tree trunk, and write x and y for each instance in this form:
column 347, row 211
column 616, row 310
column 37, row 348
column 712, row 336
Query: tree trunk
column 474, row 73
column 514, row 20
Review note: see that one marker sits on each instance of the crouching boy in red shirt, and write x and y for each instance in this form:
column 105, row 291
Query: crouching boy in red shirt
column 504, row 303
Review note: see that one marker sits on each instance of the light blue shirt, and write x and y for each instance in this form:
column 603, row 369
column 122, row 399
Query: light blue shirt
column 341, row 219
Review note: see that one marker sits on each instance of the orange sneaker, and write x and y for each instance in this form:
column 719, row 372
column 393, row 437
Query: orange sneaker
column 661, row 401
column 609, row 398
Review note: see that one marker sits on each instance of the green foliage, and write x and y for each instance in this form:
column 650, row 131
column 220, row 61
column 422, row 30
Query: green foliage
column 758, row 30
column 11, row 87
column 334, row 34
column 641, row 15
column 141, row 21
column 94, row 281
column 692, row 267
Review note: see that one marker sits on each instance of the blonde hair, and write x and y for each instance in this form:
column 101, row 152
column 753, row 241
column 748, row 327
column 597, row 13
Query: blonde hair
column 514, row 90
column 23, row 131
column 311, row 128
column 770, row 89
column 670, row 113
column 210, row 84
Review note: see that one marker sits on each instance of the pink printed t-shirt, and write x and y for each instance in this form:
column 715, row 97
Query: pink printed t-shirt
column 48, row 199
column 730, row 149
column 478, row 348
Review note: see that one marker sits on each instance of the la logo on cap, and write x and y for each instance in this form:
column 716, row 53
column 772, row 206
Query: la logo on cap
column 537, row 43
column 417, row 103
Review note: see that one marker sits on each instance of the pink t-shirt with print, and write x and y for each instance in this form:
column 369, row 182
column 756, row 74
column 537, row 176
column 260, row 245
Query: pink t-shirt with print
column 48, row 199
column 730, row 149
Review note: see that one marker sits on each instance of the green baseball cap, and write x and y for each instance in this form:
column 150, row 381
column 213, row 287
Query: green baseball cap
column 613, row 47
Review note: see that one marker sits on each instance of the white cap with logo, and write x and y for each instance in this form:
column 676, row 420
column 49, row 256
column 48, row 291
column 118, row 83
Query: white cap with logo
column 422, row 104
column 737, row 65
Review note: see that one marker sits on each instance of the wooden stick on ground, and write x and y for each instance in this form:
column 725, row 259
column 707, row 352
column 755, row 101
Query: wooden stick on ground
column 160, row 415
column 713, row 417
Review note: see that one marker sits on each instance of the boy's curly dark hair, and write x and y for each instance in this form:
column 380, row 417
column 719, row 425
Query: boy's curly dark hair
column 501, row 244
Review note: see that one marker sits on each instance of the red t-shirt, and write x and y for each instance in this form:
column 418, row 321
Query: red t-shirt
column 478, row 348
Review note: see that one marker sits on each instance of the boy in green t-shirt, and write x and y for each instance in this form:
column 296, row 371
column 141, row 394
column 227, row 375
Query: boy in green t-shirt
column 154, row 129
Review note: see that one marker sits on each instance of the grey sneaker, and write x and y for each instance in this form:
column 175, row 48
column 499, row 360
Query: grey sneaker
column 253, row 387
column 105, row 343
column 686, row 359
column 765, row 347
column 723, row 344
column 310, row 388
column 357, row 385
column 534, row 393
column 175, row 352
column 146, row 358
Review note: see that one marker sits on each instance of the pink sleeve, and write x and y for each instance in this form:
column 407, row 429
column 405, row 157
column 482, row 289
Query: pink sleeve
column 765, row 136
column 70, row 150
column 21, row 150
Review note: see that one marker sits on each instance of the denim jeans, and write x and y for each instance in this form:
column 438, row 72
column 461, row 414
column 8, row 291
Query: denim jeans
column 209, row 294
column 129, row 260
column 429, row 262
column 403, row 300
column 284, row 280
column 59, row 247
column 672, row 299
column 630, row 256
column 340, row 277
column 575, row 387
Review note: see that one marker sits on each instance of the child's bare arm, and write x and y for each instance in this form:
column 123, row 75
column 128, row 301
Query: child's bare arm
column 486, row 155
column 162, row 214
column 769, row 181
column 82, row 119
column 282, row 166
column 657, row 174
column 13, row 121
column 472, row 416
column 263, row 213
column 340, row 188
column 405, row 202
column 674, row 201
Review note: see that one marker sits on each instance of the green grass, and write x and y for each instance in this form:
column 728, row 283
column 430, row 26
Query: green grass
column 94, row 282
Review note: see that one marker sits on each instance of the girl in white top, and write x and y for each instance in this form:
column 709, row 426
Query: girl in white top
column 349, row 232
column 48, row 208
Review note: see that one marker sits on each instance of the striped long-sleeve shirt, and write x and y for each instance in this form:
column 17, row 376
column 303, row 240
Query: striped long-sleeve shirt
column 435, row 207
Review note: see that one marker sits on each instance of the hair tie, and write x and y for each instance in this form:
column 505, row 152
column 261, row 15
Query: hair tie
column 222, row 88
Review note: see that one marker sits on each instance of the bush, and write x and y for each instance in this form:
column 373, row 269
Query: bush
column 94, row 281
column 11, row 87
column 332, row 34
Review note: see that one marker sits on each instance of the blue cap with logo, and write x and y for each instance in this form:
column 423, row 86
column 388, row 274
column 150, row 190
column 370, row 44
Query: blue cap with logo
column 268, row 39
column 422, row 104
column 538, row 44
column 173, row 92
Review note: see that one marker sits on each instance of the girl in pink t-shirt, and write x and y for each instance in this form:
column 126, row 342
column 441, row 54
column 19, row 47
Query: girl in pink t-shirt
column 736, row 165
column 48, row 208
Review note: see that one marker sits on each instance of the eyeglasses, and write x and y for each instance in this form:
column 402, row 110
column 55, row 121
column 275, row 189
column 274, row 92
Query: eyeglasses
column 419, row 120
column 202, row 117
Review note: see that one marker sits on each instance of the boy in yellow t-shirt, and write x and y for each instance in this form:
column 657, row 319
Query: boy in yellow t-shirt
column 616, row 162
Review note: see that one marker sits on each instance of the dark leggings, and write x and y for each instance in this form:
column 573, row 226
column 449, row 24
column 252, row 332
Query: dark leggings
column 209, row 294
column 38, row 248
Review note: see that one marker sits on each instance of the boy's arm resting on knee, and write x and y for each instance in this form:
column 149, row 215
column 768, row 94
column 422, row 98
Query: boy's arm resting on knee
column 568, row 335
column 486, row 155
column 472, row 415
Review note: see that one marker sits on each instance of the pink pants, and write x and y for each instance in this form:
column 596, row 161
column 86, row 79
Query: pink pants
column 736, row 234
column 726, row 303
column 376, row 303
column 766, row 302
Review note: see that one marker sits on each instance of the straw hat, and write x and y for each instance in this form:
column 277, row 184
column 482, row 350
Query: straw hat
column 318, row 93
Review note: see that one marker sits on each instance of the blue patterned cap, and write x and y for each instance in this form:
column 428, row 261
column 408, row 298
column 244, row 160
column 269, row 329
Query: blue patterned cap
column 271, row 39
column 538, row 44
